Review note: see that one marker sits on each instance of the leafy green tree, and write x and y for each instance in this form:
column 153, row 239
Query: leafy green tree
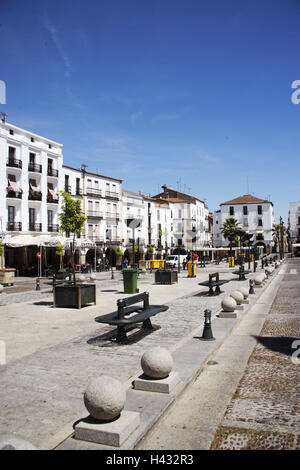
column 71, row 221
column 60, row 251
column 230, row 230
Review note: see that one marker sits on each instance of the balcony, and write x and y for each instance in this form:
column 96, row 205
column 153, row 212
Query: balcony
column 113, row 241
column 13, row 163
column 112, row 215
column 35, row 227
column 67, row 189
column 35, row 168
column 35, row 196
column 52, row 200
column 94, row 215
column 14, row 195
column 111, row 195
column 14, row 226
column 93, row 192
column 52, row 172
column 78, row 192
column 53, row 227
column 96, row 239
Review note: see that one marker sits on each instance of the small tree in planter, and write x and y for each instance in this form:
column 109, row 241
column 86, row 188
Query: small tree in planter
column 150, row 251
column 71, row 222
column 60, row 251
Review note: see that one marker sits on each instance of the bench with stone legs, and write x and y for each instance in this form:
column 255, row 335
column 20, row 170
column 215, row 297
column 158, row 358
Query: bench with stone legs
column 124, row 315
column 213, row 281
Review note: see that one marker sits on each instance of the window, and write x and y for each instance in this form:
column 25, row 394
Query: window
column 179, row 213
column 260, row 222
column 158, row 215
column 231, row 210
column 245, row 222
column 50, row 146
column 11, row 214
column 31, row 216
column 11, row 154
column 32, row 139
column 50, row 217
column 11, row 132
column 32, row 158
column 259, row 210
column 259, row 236
column 245, row 210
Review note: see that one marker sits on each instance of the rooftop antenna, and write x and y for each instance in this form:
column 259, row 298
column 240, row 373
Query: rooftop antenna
column 83, row 167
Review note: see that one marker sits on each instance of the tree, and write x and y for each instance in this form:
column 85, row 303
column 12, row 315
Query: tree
column 230, row 230
column 71, row 221
column 60, row 251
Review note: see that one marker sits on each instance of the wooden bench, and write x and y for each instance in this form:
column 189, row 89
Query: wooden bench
column 213, row 281
column 128, row 306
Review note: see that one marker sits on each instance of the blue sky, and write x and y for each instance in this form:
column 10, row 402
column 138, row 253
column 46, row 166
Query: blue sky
column 189, row 93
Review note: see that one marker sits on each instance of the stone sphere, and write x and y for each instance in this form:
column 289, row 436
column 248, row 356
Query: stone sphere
column 228, row 304
column 237, row 296
column 244, row 291
column 157, row 363
column 81, row 278
column 259, row 279
column 93, row 277
column 104, row 398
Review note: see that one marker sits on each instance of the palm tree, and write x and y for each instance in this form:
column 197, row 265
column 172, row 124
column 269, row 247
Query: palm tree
column 230, row 230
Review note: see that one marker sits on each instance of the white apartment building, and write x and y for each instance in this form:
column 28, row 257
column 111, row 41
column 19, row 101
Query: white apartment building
column 101, row 198
column 29, row 203
column 134, row 220
column 189, row 225
column 294, row 222
column 254, row 215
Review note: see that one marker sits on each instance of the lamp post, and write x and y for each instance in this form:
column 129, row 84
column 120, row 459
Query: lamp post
column 281, row 239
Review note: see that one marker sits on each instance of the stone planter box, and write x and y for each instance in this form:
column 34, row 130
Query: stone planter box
column 166, row 277
column 68, row 295
column 7, row 276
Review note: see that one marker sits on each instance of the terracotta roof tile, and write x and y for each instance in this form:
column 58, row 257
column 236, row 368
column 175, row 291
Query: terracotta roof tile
column 246, row 199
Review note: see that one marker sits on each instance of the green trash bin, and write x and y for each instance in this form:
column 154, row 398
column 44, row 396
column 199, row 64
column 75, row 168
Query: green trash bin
column 130, row 280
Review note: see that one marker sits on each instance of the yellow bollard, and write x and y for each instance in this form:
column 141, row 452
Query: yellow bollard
column 191, row 269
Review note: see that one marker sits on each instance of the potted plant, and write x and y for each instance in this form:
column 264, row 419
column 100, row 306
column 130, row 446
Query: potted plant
column 150, row 250
column 72, row 294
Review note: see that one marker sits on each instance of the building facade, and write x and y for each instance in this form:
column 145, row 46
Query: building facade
column 255, row 216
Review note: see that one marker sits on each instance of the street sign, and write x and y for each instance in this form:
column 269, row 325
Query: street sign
column 38, row 255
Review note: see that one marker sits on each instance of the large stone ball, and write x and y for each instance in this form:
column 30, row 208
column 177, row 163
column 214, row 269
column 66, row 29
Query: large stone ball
column 93, row 277
column 237, row 296
column 259, row 279
column 228, row 304
column 104, row 398
column 157, row 363
column 244, row 291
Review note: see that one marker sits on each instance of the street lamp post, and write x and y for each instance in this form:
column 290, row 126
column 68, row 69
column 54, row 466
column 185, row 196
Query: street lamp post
column 281, row 239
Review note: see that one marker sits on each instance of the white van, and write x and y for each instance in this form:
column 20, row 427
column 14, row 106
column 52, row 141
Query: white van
column 172, row 260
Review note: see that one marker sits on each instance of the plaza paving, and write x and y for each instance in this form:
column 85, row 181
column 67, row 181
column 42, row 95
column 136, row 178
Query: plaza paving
column 52, row 353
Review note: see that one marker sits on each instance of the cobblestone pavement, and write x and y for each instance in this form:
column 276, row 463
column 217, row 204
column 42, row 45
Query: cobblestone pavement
column 41, row 392
column 264, row 412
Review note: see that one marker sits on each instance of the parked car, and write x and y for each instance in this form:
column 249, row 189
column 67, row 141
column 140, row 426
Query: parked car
column 172, row 260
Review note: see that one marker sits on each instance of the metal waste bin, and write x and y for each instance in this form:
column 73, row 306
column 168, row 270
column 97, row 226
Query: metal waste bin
column 130, row 280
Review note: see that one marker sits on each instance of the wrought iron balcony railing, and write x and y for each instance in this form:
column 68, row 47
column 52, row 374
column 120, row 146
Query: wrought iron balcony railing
column 14, row 163
column 34, row 167
column 35, row 227
column 52, row 172
column 14, row 226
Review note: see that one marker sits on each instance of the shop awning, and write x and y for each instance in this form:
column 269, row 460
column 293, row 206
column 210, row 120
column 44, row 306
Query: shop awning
column 18, row 241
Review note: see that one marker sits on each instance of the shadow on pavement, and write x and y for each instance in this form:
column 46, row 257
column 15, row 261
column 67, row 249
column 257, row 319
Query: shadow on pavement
column 281, row 344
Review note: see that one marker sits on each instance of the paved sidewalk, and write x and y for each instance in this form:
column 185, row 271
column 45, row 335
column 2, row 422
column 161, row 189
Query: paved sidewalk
column 53, row 353
column 260, row 399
